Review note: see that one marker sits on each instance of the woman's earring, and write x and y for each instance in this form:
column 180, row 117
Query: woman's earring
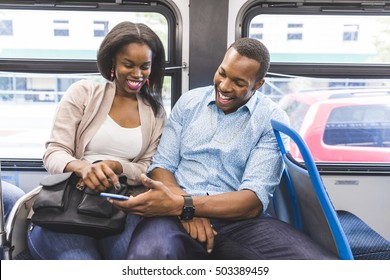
column 147, row 82
column 112, row 73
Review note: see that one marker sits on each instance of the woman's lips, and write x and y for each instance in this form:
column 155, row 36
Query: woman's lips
column 134, row 85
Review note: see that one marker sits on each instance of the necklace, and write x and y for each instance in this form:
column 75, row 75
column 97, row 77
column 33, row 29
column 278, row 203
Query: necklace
column 214, row 131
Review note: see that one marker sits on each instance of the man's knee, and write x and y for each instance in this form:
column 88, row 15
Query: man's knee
column 157, row 238
column 157, row 249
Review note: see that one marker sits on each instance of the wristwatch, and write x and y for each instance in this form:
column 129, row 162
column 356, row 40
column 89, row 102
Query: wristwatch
column 188, row 208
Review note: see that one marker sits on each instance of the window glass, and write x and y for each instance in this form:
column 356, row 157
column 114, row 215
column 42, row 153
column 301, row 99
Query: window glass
column 58, row 34
column 361, row 125
column 61, row 28
column 349, row 122
column 28, row 100
column 27, row 105
column 341, row 117
column 6, row 28
column 324, row 38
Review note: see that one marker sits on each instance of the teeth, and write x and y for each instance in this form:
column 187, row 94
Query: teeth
column 134, row 85
column 223, row 97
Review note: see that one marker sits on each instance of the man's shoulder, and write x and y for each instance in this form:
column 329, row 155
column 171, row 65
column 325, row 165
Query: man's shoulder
column 266, row 106
column 267, row 102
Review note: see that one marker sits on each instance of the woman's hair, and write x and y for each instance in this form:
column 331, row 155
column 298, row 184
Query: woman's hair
column 256, row 50
column 126, row 33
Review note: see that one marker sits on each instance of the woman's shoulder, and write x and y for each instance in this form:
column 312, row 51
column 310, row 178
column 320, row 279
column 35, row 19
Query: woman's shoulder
column 90, row 85
column 86, row 89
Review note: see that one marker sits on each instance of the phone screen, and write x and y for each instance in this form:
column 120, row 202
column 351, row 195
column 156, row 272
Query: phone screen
column 114, row 196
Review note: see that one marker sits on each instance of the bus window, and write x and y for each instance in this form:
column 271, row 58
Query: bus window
column 324, row 38
column 324, row 62
column 46, row 50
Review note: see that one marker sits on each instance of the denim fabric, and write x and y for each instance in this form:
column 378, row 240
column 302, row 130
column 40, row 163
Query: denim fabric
column 261, row 238
column 163, row 238
column 11, row 194
column 45, row 244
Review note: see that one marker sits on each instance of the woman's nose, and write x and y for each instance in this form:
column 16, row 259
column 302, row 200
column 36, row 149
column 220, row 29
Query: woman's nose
column 136, row 72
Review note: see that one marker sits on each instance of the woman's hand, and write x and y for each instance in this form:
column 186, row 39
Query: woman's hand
column 97, row 176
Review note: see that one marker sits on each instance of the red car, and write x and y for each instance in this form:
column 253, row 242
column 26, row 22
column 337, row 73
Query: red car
column 348, row 125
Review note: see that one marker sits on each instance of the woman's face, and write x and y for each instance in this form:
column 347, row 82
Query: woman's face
column 132, row 65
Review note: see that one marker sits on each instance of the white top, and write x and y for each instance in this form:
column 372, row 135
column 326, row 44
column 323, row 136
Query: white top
column 114, row 142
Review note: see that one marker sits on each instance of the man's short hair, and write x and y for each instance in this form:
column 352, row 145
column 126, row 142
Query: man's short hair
column 256, row 50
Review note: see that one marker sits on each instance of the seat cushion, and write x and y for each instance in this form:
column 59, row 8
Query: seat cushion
column 366, row 243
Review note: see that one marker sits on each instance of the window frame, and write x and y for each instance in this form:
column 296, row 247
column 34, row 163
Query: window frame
column 315, row 7
column 61, row 66
column 173, row 67
column 322, row 70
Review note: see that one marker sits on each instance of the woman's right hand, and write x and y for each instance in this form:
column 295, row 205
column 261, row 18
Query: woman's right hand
column 97, row 176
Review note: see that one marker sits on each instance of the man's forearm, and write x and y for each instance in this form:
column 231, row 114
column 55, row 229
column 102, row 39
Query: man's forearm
column 166, row 177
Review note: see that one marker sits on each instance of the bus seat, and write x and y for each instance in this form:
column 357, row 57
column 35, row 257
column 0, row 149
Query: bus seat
column 16, row 227
column 314, row 210
column 282, row 203
column 311, row 210
column 366, row 243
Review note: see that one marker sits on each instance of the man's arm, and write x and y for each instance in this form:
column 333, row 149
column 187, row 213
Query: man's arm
column 165, row 199
column 243, row 204
column 167, row 178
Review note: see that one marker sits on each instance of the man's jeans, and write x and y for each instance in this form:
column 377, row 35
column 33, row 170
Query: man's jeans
column 261, row 238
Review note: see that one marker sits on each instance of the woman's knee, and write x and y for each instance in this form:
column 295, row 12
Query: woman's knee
column 49, row 245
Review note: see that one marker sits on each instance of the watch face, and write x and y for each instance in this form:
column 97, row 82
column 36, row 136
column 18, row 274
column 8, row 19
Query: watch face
column 188, row 208
column 188, row 213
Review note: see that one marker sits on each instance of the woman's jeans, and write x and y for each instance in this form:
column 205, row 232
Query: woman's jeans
column 45, row 244
column 261, row 238
column 11, row 194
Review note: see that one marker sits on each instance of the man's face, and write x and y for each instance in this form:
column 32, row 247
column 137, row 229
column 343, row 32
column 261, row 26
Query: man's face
column 235, row 81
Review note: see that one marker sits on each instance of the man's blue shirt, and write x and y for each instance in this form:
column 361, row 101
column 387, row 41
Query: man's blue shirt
column 211, row 153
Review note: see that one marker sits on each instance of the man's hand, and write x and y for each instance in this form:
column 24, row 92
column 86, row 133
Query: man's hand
column 201, row 230
column 159, row 200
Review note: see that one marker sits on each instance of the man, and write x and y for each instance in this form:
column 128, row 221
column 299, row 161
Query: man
column 216, row 167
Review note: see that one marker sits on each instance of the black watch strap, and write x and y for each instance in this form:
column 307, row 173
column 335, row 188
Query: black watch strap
column 188, row 208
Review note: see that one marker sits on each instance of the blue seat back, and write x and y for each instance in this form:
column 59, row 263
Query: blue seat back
column 315, row 214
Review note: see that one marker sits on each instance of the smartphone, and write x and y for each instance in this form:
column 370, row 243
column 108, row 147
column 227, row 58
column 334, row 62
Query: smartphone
column 114, row 196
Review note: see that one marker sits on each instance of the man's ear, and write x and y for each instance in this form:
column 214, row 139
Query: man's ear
column 259, row 84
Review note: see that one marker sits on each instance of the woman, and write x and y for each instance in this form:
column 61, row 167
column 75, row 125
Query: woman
column 104, row 130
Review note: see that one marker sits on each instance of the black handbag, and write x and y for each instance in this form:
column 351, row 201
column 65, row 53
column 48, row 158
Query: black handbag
column 64, row 207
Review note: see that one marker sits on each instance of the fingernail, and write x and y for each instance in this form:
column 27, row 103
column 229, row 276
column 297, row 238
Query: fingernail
column 209, row 251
